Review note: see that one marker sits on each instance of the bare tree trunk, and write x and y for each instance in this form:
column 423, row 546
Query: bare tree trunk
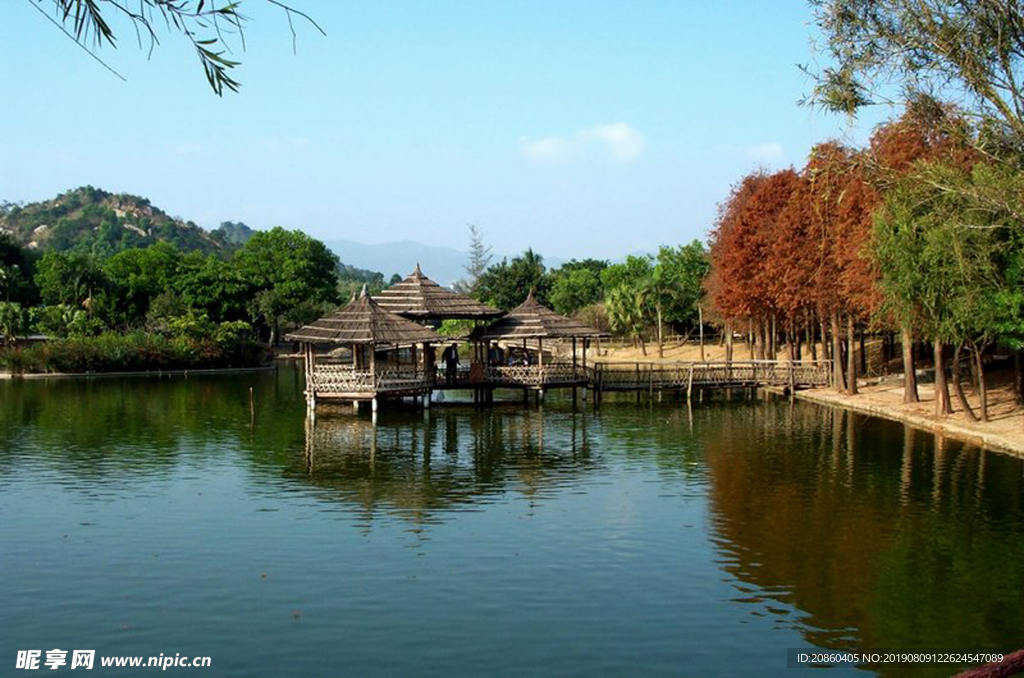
column 643, row 345
column 790, row 346
column 1018, row 377
column 810, row 338
column 774, row 345
column 661, row 349
column 837, row 365
column 982, row 387
column 958, row 387
column 728, row 342
column 826, row 346
column 942, row 403
column 700, row 323
column 851, row 358
column 762, row 332
column 863, row 352
column 909, row 375
column 797, row 339
column 750, row 337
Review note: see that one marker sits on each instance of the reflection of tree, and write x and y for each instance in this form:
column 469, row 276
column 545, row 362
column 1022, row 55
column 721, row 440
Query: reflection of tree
column 885, row 540
column 417, row 466
column 116, row 427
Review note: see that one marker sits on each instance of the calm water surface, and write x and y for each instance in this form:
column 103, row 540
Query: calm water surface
column 148, row 516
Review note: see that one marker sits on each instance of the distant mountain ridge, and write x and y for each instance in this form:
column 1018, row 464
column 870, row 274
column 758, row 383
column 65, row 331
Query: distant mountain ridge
column 443, row 265
column 92, row 220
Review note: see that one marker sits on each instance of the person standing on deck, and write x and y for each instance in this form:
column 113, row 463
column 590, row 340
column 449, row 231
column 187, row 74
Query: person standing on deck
column 451, row 362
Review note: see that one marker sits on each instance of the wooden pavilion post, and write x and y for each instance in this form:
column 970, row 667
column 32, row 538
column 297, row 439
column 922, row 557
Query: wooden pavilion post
column 586, row 341
column 574, row 379
column 373, row 376
column 540, row 365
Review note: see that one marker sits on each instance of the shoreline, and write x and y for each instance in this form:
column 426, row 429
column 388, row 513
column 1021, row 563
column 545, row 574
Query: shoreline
column 951, row 428
column 10, row 376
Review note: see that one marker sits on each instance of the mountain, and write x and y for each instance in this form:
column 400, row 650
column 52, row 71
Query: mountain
column 92, row 220
column 444, row 265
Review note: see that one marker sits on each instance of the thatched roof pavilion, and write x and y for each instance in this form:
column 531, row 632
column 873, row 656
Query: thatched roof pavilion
column 366, row 327
column 533, row 320
column 364, row 321
column 417, row 297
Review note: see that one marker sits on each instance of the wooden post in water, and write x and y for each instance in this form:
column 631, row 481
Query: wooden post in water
column 689, row 385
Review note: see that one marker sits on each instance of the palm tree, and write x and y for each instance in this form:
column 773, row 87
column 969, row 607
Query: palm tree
column 627, row 314
column 658, row 292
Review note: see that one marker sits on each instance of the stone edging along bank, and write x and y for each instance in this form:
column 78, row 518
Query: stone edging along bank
column 952, row 429
column 140, row 373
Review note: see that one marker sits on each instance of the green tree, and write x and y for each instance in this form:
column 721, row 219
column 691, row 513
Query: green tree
column 72, row 279
column 12, row 320
column 629, row 273
column 207, row 284
column 628, row 313
column 881, row 49
column 289, row 270
column 940, row 256
column 16, row 270
column 506, row 284
column 137, row 276
column 574, row 289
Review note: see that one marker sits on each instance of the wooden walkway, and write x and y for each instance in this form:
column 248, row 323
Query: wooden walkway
column 619, row 376
column 333, row 381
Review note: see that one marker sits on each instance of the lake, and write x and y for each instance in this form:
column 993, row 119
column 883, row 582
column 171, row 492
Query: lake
column 147, row 516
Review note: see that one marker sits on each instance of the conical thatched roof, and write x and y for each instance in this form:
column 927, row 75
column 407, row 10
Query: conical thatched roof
column 364, row 322
column 420, row 298
column 532, row 320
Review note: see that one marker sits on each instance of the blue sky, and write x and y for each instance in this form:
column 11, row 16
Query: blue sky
column 578, row 128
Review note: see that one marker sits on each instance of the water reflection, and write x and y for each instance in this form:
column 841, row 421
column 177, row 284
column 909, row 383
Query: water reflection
column 884, row 537
column 842, row 531
column 423, row 465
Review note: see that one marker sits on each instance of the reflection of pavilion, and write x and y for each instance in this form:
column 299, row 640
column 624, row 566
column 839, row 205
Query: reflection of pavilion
column 447, row 461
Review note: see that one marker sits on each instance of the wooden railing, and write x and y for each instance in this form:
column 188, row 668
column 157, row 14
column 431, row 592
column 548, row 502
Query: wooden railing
column 604, row 376
column 681, row 375
column 328, row 378
column 536, row 375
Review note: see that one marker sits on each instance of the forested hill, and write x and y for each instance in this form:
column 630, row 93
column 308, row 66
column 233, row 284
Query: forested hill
column 94, row 221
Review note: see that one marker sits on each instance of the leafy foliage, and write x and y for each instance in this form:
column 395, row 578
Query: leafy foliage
column 205, row 25
column 505, row 285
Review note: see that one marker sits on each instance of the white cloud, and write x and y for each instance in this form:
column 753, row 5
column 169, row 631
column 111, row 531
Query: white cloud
column 551, row 149
column 619, row 140
column 768, row 153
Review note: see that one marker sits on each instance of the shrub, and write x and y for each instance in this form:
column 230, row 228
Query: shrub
column 136, row 351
